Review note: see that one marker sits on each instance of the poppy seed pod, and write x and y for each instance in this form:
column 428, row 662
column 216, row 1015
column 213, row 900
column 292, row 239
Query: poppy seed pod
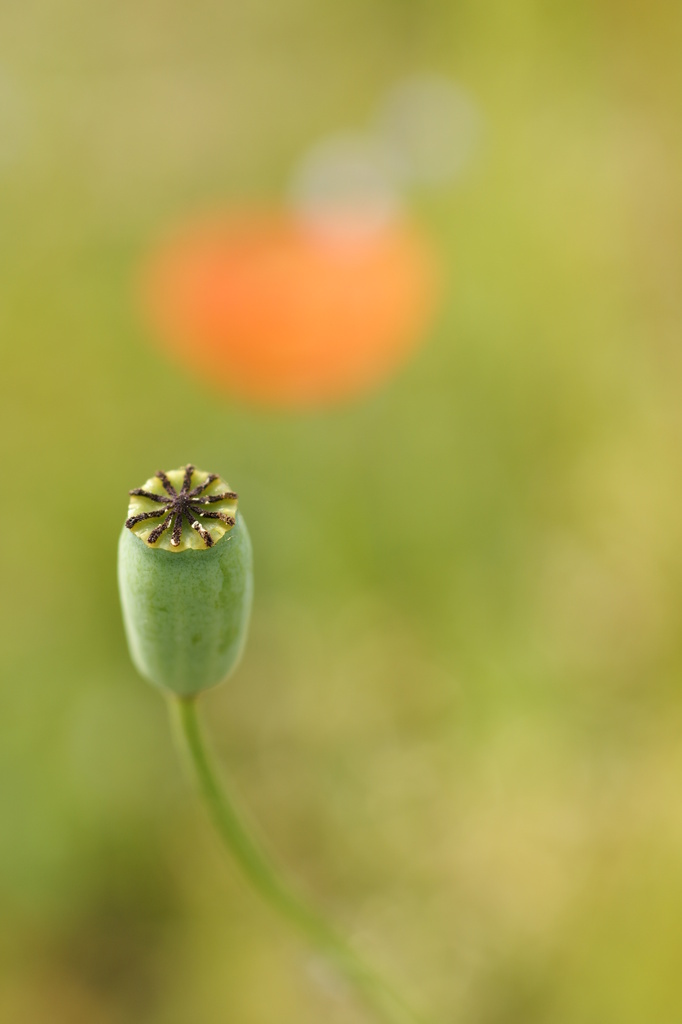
column 185, row 579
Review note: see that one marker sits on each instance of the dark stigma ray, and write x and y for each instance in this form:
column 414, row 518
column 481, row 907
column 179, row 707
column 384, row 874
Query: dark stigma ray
column 202, row 487
column 161, row 528
column 215, row 515
column 225, row 496
column 148, row 494
column 187, row 482
column 196, row 525
column 166, row 483
column 133, row 520
column 177, row 530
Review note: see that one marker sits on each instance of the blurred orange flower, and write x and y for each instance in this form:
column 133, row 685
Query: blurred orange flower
column 289, row 313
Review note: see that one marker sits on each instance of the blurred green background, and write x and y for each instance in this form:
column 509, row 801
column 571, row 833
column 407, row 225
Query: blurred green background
column 459, row 716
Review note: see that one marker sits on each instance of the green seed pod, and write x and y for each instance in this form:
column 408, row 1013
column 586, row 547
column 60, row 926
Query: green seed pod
column 185, row 579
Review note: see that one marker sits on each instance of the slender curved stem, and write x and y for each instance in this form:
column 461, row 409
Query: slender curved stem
column 261, row 871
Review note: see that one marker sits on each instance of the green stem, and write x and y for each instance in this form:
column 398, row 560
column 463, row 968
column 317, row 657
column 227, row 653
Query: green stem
column 259, row 868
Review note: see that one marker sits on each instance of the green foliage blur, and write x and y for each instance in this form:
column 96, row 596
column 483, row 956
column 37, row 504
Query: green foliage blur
column 459, row 715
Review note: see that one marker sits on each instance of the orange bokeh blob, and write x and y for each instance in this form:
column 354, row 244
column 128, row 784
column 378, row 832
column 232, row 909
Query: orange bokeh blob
column 278, row 311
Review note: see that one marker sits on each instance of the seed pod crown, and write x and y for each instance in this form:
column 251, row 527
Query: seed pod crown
column 182, row 508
